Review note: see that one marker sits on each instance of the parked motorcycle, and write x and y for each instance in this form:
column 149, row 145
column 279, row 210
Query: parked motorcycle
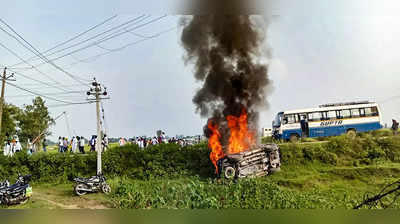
column 4, row 184
column 91, row 185
column 18, row 193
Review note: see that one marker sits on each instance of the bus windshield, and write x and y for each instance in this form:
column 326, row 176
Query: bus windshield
column 277, row 121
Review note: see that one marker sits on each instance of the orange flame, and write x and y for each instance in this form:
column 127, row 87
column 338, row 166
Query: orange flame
column 214, row 143
column 241, row 138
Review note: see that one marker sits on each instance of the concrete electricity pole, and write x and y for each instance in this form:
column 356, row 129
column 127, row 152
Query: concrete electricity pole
column 4, row 78
column 97, row 91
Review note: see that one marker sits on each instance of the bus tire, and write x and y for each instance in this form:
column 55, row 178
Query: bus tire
column 294, row 138
column 351, row 133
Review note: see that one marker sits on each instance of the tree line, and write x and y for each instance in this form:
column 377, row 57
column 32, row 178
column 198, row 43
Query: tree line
column 26, row 122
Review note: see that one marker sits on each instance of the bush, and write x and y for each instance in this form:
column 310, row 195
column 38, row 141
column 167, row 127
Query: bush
column 173, row 161
column 194, row 194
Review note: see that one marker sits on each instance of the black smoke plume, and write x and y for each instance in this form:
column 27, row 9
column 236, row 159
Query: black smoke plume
column 227, row 51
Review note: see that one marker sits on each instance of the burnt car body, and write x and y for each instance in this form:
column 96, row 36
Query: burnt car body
column 259, row 161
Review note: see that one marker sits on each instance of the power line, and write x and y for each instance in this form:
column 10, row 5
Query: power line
column 38, row 53
column 16, row 55
column 103, row 40
column 94, row 57
column 97, row 35
column 71, row 39
column 39, row 81
column 37, row 94
column 53, row 94
column 68, row 104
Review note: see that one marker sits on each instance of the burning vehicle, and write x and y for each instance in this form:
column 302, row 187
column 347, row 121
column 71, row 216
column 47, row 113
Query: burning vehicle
column 230, row 59
column 242, row 156
column 260, row 161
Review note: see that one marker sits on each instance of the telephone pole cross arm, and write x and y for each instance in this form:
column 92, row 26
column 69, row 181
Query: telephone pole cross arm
column 98, row 91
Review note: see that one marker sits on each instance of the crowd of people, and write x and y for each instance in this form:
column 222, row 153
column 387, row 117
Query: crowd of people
column 11, row 147
column 77, row 144
column 144, row 142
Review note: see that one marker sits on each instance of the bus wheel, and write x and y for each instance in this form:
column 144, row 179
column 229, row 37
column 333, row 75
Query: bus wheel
column 294, row 138
column 351, row 133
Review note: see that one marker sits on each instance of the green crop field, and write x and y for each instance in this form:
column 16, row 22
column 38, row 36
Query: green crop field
column 337, row 172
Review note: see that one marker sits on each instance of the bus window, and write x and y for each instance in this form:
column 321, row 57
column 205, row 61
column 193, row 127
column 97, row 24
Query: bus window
column 374, row 111
column 339, row 114
column 331, row 115
column 315, row 116
column 346, row 114
column 324, row 116
column 289, row 119
column 362, row 112
column 355, row 112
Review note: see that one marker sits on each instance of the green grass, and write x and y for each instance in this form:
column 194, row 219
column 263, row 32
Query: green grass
column 336, row 173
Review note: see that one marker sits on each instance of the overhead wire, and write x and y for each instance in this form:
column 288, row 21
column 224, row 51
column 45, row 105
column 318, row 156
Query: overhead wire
column 19, row 57
column 52, row 94
column 109, row 51
column 36, row 52
column 103, row 40
column 140, row 18
column 37, row 94
column 71, row 39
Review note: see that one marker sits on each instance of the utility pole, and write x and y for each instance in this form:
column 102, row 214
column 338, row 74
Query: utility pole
column 4, row 78
column 98, row 91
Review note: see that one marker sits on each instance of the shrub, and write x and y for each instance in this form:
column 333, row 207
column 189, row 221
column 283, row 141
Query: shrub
column 194, row 193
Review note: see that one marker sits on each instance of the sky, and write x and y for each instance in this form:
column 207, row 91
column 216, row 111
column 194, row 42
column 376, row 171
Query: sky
column 321, row 52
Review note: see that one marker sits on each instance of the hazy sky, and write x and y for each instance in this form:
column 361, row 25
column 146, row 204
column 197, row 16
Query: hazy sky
column 322, row 52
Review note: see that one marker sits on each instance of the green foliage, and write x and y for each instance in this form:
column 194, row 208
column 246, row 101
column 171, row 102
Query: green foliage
column 9, row 121
column 265, row 140
column 34, row 120
column 344, row 151
column 169, row 161
column 196, row 194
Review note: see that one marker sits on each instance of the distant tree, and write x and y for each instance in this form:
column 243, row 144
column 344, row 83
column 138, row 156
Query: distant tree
column 9, row 121
column 33, row 120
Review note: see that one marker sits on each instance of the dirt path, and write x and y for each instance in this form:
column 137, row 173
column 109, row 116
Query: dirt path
column 63, row 198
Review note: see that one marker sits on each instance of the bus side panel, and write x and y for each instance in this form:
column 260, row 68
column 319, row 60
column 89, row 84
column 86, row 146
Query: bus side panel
column 287, row 133
column 326, row 131
column 364, row 127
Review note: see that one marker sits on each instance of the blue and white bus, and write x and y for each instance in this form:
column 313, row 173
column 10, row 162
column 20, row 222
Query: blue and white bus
column 327, row 120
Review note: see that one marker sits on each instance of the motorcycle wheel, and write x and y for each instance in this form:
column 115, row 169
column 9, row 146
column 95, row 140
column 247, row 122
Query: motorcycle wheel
column 79, row 189
column 106, row 188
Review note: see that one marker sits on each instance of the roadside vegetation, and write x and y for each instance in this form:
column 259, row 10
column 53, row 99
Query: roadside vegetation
column 337, row 172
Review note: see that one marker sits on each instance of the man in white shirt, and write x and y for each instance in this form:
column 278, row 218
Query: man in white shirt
column 60, row 144
column 18, row 146
column 82, row 145
column 7, row 148
column 74, row 144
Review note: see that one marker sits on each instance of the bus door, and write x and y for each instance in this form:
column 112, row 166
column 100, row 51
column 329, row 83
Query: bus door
column 304, row 126
column 340, row 116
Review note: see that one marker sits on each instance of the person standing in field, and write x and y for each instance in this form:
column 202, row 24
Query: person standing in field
column 82, row 145
column 44, row 145
column 104, row 142
column 60, row 144
column 7, row 148
column 121, row 141
column 74, row 144
column 18, row 146
column 93, row 143
column 65, row 144
column 395, row 126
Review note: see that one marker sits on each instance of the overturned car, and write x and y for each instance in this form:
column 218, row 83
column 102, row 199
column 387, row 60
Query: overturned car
column 259, row 161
